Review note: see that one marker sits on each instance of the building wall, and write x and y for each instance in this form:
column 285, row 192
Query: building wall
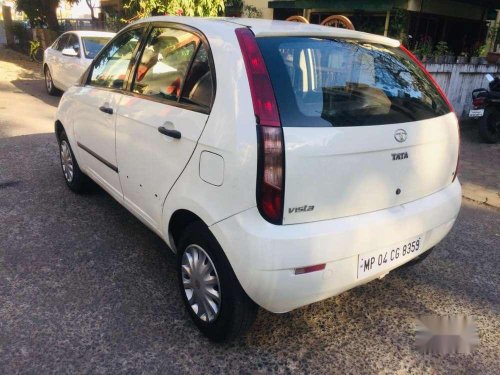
column 448, row 8
column 262, row 6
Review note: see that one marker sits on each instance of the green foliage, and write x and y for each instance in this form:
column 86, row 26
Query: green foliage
column 424, row 46
column 199, row 8
column 399, row 24
column 234, row 3
column 250, row 11
column 114, row 23
column 441, row 49
column 22, row 36
column 32, row 10
column 41, row 12
column 483, row 50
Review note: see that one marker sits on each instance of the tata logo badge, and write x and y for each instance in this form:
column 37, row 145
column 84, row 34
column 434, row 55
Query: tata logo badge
column 400, row 135
column 400, row 156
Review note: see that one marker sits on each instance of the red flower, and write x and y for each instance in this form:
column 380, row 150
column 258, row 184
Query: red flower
column 179, row 12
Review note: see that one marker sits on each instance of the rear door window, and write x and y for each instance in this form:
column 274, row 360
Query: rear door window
column 329, row 82
column 198, row 88
column 92, row 45
column 164, row 63
column 62, row 42
column 73, row 43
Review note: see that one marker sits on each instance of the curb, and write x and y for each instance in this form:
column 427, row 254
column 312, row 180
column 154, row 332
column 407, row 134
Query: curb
column 480, row 194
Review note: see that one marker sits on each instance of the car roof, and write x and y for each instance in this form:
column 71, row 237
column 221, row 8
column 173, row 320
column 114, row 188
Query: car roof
column 91, row 33
column 264, row 27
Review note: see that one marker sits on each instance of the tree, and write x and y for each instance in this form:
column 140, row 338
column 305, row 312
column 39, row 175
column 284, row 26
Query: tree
column 199, row 8
column 41, row 12
column 91, row 4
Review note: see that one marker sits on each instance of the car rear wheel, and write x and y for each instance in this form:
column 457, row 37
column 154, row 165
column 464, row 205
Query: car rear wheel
column 210, row 290
column 74, row 177
column 49, row 83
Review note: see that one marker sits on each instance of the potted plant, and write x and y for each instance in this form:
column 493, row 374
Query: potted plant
column 463, row 58
column 441, row 53
column 475, row 56
column 424, row 49
column 483, row 52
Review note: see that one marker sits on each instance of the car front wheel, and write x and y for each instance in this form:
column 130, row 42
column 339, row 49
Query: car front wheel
column 211, row 292
column 49, row 83
column 74, row 177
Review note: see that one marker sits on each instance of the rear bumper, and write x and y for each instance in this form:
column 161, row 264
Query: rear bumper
column 264, row 256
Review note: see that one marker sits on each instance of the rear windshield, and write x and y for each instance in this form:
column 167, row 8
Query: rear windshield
column 92, row 45
column 328, row 82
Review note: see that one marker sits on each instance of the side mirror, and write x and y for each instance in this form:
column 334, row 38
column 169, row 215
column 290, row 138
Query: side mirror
column 69, row 52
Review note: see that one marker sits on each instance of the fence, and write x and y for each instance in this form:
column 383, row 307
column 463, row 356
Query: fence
column 458, row 81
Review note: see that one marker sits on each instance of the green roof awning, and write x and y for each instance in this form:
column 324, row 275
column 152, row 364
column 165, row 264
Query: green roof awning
column 340, row 5
column 366, row 5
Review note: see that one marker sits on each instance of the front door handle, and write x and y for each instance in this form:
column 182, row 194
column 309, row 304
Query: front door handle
column 105, row 109
column 168, row 132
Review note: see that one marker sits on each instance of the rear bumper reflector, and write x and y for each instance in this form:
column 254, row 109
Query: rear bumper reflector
column 308, row 269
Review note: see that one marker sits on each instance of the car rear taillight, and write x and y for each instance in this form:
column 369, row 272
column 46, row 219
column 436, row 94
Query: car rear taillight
column 443, row 95
column 270, row 178
column 271, row 158
column 478, row 102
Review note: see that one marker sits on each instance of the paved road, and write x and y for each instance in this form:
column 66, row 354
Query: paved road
column 86, row 288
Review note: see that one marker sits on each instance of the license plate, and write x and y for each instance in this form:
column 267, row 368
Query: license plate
column 476, row 113
column 379, row 260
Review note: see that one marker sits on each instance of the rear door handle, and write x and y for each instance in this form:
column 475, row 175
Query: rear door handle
column 105, row 109
column 170, row 133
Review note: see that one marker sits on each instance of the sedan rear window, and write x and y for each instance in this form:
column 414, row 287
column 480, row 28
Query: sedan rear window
column 92, row 45
column 333, row 82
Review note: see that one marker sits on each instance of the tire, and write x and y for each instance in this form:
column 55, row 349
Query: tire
column 489, row 126
column 234, row 312
column 49, row 83
column 418, row 259
column 74, row 177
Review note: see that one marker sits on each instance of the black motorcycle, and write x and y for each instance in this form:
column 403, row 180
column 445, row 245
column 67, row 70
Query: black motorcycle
column 486, row 109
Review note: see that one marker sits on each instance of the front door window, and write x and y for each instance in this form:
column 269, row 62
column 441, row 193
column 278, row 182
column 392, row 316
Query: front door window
column 111, row 67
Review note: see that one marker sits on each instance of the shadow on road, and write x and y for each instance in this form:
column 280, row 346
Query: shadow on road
column 36, row 88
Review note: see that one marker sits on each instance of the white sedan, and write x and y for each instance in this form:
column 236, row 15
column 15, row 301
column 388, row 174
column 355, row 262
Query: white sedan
column 69, row 56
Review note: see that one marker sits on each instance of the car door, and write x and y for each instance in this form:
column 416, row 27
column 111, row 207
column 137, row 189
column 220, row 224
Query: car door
column 158, row 126
column 55, row 60
column 71, row 67
column 97, row 104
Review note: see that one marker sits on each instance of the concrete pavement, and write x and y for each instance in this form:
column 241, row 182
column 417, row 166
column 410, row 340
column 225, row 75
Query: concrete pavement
column 479, row 169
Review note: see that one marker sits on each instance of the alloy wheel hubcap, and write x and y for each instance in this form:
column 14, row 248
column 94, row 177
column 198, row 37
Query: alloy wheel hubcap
column 66, row 161
column 201, row 283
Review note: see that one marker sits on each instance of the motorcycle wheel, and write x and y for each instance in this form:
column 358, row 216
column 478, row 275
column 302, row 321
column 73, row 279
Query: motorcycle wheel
column 489, row 126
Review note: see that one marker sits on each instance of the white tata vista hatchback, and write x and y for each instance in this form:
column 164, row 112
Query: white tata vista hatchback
column 283, row 163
